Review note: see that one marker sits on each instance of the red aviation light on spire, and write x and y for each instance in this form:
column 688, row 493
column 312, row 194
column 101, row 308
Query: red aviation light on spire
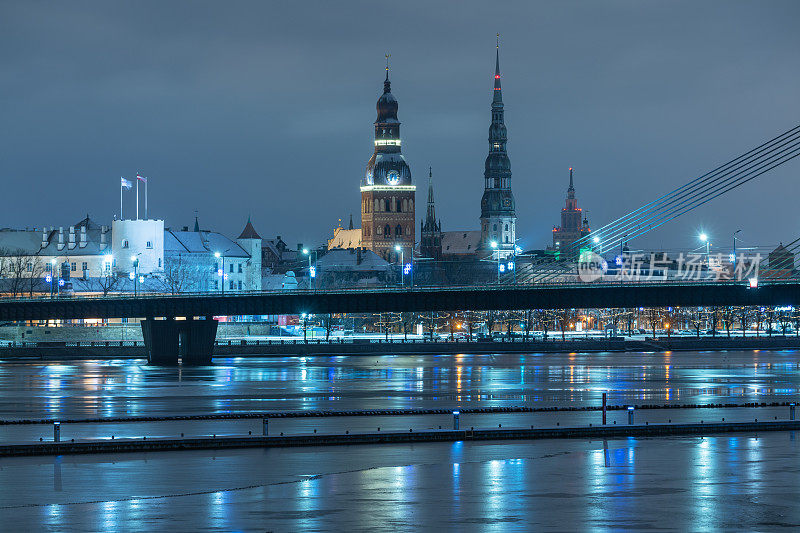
column 570, row 169
column 497, row 76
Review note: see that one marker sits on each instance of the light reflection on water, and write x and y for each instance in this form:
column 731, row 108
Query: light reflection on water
column 128, row 388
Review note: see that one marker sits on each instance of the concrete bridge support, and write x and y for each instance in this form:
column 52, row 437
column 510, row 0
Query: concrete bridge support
column 192, row 340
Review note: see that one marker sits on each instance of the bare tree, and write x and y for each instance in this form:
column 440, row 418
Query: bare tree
column 728, row 316
column 744, row 316
column 14, row 269
column 34, row 272
column 106, row 282
column 177, row 276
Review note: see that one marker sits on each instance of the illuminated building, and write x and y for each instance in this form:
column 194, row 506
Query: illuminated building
column 574, row 225
column 498, row 218
column 387, row 193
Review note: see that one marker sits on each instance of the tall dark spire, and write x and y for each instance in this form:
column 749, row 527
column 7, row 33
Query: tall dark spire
column 431, row 214
column 498, row 218
column 498, row 91
column 430, row 244
column 571, row 189
column 387, row 85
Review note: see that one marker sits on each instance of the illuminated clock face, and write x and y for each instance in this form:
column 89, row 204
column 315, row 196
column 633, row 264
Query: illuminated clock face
column 393, row 178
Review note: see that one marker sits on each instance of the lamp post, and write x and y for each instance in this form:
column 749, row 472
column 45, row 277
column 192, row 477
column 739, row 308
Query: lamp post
column 493, row 244
column 312, row 270
column 221, row 271
column 52, row 277
column 399, row 248
column 704, row 239
column 734, row 251
column 135, row 278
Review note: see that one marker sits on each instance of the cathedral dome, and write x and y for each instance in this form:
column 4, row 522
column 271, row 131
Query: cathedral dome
column 387, row 169
column 387, row 105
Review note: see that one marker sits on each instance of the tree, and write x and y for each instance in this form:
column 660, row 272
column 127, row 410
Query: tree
column 727, row 319
column 34, row 272
column 105, row 282
column 564, row 317
column 13, row 265
column 785, row 319
column 744, row 316
column 177, row 276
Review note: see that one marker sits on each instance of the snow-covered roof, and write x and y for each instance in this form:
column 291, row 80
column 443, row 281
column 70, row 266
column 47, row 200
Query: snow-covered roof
column 460, row 242
column 351, row 260
column 201, row 242
column 345, row 238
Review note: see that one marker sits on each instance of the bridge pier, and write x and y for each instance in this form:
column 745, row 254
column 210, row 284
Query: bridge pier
column 166, row 340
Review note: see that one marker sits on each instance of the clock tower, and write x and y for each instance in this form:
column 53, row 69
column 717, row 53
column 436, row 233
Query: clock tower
column 387, row 193
column 498, row 218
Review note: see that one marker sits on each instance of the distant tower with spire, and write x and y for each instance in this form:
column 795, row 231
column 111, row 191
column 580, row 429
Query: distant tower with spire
column 430, row 243
column 498, row 218
column 574, row 225
column 387, row 193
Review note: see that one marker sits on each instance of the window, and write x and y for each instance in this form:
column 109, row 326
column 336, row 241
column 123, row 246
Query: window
column 231, row 285
column 494, row 228
column 216, row 285
column 398, row 230
column 387, row 230
column 125, row 243
column 48, row 267
column 230, row 268
column 159, row 262
column 29, row 266
column 84, row 266
column 149, row 245
column 239, row 284
column 506, row 227
column 506, row 238
column 240, row 269
column 388, row 205
column 74, row 267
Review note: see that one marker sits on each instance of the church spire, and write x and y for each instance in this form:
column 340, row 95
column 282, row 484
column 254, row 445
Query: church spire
column 431, row 214
column 498, row 218
column 498, row 91
column 387, row 85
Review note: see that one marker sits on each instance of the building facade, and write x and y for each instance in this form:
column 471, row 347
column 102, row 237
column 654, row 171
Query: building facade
column 387, row 192
column 574, row 226
column 498, row 217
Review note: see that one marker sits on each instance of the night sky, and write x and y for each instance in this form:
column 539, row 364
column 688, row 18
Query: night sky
column 266, row 109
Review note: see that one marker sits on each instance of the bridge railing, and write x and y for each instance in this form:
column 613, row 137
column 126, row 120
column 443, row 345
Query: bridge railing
column 402, row 289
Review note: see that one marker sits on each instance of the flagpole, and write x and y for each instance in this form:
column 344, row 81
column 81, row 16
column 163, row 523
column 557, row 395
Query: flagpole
column 120, row 198
column 137, row 196
column 145, row 200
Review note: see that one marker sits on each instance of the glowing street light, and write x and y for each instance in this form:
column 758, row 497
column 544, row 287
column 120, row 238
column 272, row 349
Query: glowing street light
column 312, row 270
column 398, row 248
column 704, row 239
column 493, row 244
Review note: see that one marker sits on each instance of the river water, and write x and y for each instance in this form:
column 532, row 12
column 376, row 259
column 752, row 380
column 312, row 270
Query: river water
column 683, row 483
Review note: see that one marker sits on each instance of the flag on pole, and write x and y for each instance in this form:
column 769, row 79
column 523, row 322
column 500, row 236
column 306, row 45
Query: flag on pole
column 141, row 178
column 125, row 183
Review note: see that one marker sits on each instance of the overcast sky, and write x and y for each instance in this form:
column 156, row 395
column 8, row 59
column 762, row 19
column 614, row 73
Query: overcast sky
column 266, row 109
